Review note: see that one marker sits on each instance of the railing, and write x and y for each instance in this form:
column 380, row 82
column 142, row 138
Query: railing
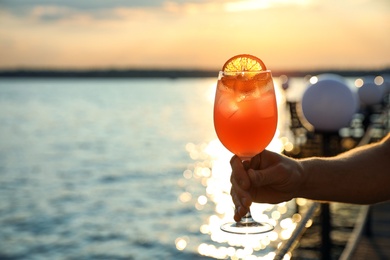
column 354, row 239
column 291, row 243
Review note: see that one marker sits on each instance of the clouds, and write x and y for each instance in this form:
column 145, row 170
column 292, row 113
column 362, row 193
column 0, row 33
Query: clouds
column 17, row 5
column 58, row 10
column 193, row 33
column 52, row 10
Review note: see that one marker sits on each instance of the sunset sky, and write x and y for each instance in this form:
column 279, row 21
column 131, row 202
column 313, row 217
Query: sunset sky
column 285, row 34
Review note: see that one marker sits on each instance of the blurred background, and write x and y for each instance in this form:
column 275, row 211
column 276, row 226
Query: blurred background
column 103, row 167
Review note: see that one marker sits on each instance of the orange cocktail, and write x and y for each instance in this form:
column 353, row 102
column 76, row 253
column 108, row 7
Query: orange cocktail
column 245, row 112
column 245, row 118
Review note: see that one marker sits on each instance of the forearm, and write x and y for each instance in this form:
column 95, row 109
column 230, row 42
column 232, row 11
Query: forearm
column 359, row 176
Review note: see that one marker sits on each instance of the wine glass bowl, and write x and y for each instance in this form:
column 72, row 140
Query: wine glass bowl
column 245, row 112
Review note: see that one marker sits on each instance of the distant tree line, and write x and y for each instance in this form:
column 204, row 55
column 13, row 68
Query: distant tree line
column 167, row 73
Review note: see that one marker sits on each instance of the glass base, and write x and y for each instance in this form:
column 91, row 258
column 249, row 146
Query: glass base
column 247, row 227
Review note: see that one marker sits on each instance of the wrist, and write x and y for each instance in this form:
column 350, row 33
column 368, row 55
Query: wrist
column 304, row 170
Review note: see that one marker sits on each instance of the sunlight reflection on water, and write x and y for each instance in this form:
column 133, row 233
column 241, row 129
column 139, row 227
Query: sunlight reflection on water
column 212, row 169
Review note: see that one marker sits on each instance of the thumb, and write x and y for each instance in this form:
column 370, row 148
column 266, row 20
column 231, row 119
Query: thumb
column 260, row 177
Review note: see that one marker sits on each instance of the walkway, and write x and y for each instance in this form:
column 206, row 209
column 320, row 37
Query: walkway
column 376, row 244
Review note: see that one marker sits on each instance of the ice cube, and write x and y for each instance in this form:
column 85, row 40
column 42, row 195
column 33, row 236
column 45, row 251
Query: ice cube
column 227, row 106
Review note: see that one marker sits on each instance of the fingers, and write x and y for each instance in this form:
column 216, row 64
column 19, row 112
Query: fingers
column 239, row 174
column 259, row 178
column 239, row 213
column 246, row 164
column 240, row 196
column 266, row 168
column 240, row 186
column 264, row 160
column 269, row 177
column 241, row 202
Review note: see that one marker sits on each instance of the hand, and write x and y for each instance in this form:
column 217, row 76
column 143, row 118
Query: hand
column 268, row 178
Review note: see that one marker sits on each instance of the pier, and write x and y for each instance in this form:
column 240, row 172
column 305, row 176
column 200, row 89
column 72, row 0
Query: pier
column 369, row 236
column 374, row 241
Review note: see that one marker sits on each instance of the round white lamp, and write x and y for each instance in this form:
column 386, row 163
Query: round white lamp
column 329, row 103
column 370, row 93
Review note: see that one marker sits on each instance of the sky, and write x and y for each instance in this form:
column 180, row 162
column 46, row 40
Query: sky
column 194, row 34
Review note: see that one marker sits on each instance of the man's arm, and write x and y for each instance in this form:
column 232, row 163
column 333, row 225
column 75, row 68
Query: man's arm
column 361, row 175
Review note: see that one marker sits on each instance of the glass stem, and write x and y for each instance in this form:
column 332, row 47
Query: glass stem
column 248, row 215
column 247, row 218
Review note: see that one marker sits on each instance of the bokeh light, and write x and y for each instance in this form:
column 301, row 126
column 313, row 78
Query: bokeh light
column 379, row 80
column 359, row 82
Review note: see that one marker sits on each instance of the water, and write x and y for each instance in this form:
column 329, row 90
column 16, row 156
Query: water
column 89, row 168
column 121, row 169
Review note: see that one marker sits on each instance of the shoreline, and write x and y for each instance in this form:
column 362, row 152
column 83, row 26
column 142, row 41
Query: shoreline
column 168, row 73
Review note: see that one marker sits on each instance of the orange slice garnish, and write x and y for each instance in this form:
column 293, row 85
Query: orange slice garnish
column 243, row 62
column 233, row 72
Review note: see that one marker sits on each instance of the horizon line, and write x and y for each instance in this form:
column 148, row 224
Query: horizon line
column 171, row 72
